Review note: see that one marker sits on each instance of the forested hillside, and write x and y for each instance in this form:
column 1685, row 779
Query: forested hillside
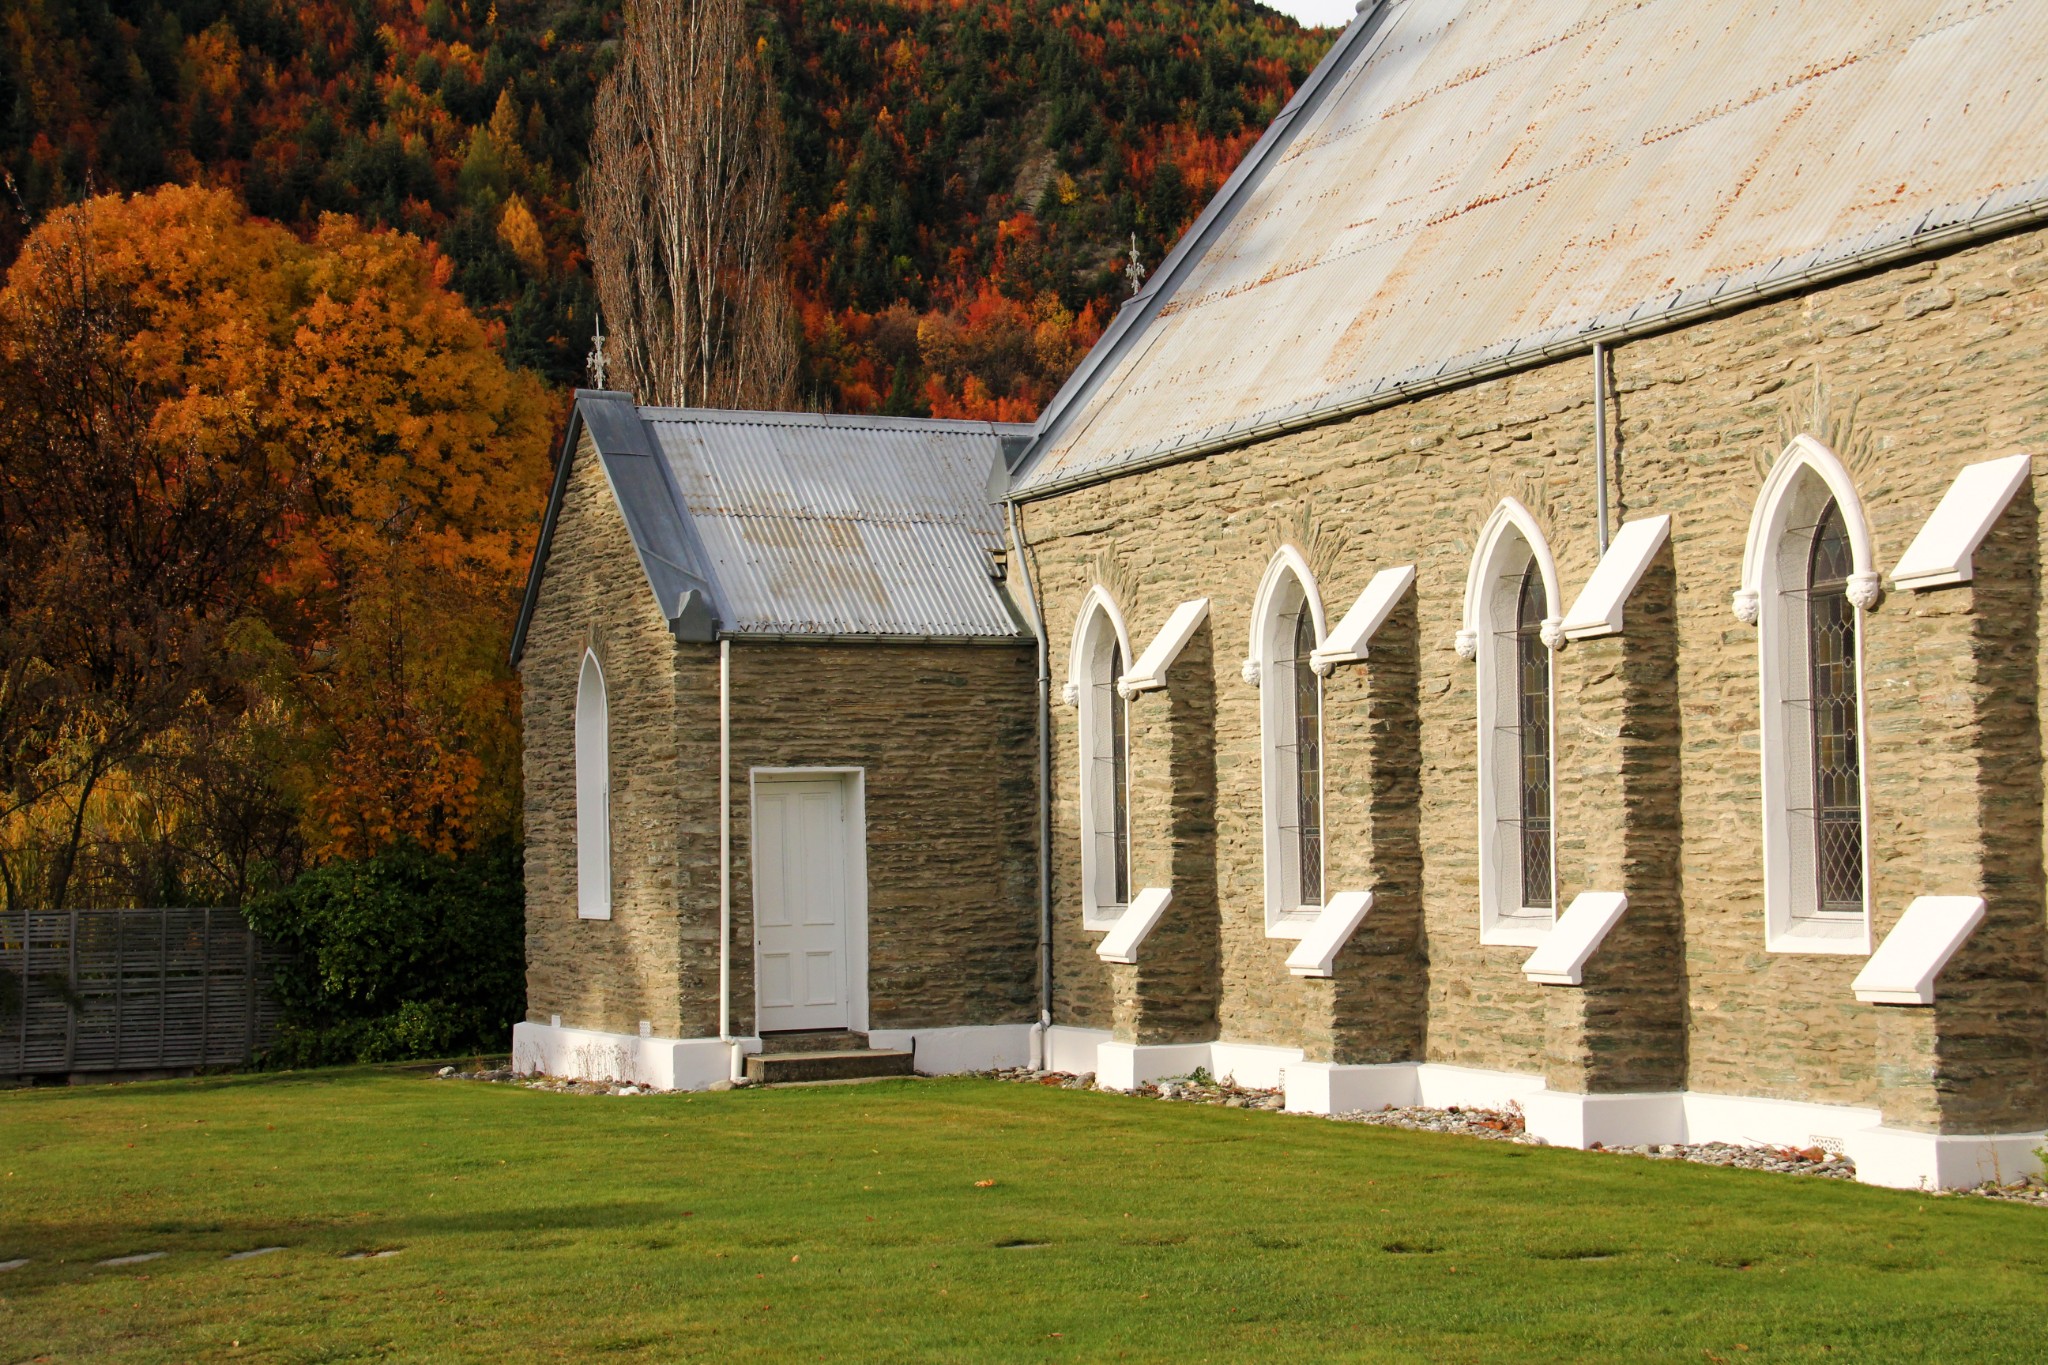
column 965, row 179
column 291, row 301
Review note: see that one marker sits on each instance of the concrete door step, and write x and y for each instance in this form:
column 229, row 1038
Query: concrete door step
column 772, row 1068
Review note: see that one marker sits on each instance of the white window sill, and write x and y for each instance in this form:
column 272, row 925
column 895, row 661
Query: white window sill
column 1518, row 931
column 1294, row 923
column 1843, row 936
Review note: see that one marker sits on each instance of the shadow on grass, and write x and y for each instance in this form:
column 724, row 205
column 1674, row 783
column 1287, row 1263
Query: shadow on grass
column 82, row 1245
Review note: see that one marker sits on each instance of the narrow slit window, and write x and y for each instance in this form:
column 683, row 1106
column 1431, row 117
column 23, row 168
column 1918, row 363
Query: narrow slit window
column 1532, row 722
column 1837, row 768
column 593, row 794
column 1286, row 630
column 1105, row 780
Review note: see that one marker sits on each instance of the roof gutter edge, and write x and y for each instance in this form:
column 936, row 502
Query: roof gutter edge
column 765, row 637
column 1734, row 301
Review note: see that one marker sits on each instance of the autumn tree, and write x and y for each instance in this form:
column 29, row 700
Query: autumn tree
column 683, row 211
column 272, row 521
column 133, row 521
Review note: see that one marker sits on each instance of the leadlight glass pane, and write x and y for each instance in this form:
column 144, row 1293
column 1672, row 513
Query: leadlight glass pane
column 1837, row 774
column 1308, row 760
column 1120, row 807
column 1532, row 689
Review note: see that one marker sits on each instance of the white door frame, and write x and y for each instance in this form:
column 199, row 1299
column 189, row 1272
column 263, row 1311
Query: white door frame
column 855, row 783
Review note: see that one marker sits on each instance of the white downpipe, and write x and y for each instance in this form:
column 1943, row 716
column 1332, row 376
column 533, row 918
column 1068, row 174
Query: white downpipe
column 1600, row 439
column 725, row 859
column 1044, row 791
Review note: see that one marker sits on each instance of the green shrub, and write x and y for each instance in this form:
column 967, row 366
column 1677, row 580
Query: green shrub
column 407, row 954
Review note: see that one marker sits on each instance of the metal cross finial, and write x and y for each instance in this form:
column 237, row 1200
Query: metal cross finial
column 597, row 348
column 1135, row 271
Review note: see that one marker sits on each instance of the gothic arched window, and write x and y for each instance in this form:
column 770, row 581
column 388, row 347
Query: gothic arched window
column 1100, row 658
column 1806, row 582
column 1510, row 630
column 593, row 793
column 1285, row 632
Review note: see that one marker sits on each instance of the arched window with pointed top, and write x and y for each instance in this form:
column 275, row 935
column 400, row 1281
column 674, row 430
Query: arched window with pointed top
column 1808, row 577
column 1101, row 652
column 593, row 793
column 1511, row 630
column 1287, row 626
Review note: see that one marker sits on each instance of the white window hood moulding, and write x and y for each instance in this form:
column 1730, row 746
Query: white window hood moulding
column 1902, row 970
column 1149, row 673
column 1597, row 611
column 1941, row 553
column 1347, row 643
column 1316, row 954
column 1135, row 925
column 1586, row 922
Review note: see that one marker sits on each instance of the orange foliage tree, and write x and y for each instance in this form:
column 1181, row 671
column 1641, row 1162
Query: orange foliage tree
column 408, row 464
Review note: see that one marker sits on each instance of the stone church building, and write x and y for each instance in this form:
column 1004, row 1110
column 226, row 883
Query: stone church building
column 1538, row 599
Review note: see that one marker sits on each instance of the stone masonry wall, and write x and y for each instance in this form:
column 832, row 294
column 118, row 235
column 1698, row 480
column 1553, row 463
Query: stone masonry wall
column 605, row 974
column 1169, row 994
column 945, row 734
column 1908, row 374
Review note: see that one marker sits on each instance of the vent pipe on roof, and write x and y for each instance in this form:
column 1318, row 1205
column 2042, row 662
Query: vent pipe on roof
column 1600, row 441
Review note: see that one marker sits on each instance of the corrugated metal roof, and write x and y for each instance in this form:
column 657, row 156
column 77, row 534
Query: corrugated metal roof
column 842, row 526
column 1469, row 181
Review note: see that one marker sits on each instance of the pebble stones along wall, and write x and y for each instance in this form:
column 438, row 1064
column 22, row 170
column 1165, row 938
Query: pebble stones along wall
column 1908, row 374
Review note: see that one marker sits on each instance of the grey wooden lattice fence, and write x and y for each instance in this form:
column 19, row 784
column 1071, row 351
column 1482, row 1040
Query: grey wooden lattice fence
column 131, row 990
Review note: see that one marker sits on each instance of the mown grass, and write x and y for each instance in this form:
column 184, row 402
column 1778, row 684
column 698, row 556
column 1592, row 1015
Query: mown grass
column 852, row 1223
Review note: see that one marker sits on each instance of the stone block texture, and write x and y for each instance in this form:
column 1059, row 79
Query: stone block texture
column 1658, row 769
column 1169, row 995
column 942, row 734
column 610, row 974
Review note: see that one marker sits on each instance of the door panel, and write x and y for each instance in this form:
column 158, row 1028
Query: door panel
column 802, row 904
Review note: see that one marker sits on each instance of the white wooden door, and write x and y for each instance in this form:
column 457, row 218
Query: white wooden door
column 802, row 905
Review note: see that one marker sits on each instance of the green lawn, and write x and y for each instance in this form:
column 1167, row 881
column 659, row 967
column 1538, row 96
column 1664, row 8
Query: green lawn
column 852, row 1223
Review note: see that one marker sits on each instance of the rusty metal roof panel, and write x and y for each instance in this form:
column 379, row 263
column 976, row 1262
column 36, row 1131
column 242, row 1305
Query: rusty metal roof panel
column 1470, row 181
column 828, row 526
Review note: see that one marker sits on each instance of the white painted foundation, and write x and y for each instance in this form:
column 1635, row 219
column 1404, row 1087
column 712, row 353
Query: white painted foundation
column 655, row 1063
column 949, row 1051
column 1883, row 1156
column 694, row 1063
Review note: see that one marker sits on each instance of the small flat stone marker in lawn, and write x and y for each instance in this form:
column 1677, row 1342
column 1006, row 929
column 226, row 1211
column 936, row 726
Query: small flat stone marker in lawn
column 13, row 1265
column 137, row 1259
column 371, row 1255
column 253, row 1251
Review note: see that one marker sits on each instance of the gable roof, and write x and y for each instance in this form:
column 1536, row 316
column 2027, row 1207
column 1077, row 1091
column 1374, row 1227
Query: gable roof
column 780, row 525
column 1468, row 186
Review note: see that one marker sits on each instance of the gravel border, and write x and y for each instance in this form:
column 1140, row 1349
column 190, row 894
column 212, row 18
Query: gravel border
column 1493, row 1125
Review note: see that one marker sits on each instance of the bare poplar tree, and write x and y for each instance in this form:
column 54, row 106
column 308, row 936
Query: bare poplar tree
column 683, row 211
